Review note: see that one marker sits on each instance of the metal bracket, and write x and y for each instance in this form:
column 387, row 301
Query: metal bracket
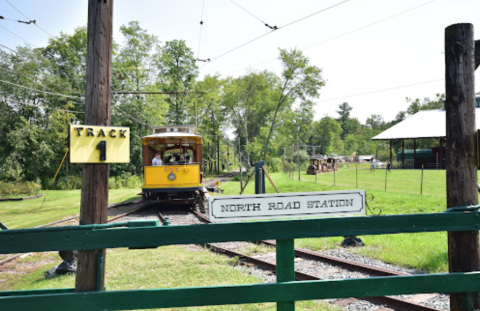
column 370, row 197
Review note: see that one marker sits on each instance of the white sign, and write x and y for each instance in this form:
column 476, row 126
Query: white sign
column 286, row 205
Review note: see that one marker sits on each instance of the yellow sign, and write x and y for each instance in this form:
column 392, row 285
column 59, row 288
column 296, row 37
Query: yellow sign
column 99, row 144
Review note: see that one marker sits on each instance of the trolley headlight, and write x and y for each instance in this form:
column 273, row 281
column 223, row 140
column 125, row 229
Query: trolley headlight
column 172, row 176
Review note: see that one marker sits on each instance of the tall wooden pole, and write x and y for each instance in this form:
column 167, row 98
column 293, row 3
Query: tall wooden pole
column 463, row 252
column 98, row 97
column 291, row 162
column 391, row 145
column 298, row 156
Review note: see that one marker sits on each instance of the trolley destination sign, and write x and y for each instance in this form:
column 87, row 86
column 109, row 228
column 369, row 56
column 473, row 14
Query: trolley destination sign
column 286, row 205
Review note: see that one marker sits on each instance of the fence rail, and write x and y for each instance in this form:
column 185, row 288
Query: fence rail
column 139, row 234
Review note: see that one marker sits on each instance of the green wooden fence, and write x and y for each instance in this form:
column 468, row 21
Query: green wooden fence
column 139, row 234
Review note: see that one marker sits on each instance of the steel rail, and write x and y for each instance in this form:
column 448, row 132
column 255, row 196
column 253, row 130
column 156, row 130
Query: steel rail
column 388, row 301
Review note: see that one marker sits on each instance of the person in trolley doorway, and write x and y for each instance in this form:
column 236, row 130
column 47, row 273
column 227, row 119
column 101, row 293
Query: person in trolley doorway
column 157, row 161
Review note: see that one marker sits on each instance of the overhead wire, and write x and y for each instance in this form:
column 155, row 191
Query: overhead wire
column 200, row 34
column 51, row 93
column 256, row 17
column 345, row 33
column 32, row 77
column 281, row 27
column 33, row 21
column 379, row 91
column 14, row 34
column 38, row 105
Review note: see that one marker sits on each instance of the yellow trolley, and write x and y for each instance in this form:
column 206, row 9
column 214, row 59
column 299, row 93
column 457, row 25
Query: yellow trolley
column 176, row 174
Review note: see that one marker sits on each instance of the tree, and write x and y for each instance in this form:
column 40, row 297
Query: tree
column 344, row 112
column 375, row 122
column 299, row 81
column 327, row 133
column 177, row 73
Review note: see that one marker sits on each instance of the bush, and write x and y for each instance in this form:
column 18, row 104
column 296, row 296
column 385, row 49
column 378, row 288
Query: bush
column 274, row 165
column 24, row 188
column 68, row 183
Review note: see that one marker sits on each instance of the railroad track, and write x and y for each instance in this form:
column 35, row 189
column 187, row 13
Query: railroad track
column 324, row 266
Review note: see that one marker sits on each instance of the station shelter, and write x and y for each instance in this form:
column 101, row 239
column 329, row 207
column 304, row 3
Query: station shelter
column 425, row 124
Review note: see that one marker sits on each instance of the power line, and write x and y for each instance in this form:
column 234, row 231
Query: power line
column 14, row 34
column 6, row 47
column 369, row 25
column 33, row 21
column 281, row 27
column 133, row 118
column 379, row 91
column 51, row 93
column 345, row 33
column 256, row 17
column 24, row 103
column 32, row 77
column 200, row 35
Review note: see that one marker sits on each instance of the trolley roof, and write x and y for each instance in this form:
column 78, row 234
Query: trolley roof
column 166, row 136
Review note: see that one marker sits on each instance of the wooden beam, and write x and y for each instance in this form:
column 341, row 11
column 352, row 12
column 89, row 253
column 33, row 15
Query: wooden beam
column 463, row 247
column 271, row 181
column 98, row 98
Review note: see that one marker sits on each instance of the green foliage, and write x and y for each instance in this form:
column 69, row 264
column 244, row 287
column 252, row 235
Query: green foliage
column 125, row 181
column 69, row 182
column 274, row 165
column 21, row 188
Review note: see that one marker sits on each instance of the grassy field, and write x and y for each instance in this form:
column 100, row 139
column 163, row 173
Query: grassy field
column 405, row 181
column 423, row 251
column 165, row 267
column 58, row 205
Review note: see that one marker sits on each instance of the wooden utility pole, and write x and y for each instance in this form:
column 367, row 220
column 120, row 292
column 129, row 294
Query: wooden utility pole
column 291, row 162
column 284, row 152
column 463, row 252
column 98, row 97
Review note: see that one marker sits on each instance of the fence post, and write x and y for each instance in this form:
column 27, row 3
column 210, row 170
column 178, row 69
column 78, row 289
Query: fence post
column 291, row 162
column 421, row 183
column 463, row 246
column 285, row 268
column 386, row 173
column 259, row 177
column 334, row 180
column 356, row 175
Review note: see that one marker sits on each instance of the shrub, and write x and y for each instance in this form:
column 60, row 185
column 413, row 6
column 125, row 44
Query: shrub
column 24, row 188
column 68, row 183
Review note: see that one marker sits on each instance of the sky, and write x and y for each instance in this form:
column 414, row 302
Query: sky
column 373, row 54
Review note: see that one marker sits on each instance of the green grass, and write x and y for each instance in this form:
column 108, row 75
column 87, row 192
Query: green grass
column 423, row 251
column 165, row 267
column 58, row 204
